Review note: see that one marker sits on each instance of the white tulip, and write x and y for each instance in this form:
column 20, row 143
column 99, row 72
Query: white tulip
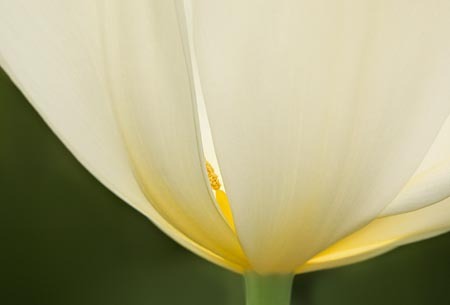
column 326, row 121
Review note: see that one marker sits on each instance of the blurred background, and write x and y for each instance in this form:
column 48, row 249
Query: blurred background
column 66, row 240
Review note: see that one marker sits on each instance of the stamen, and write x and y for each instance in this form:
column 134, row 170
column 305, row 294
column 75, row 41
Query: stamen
column 212, row 176
column 221, row 197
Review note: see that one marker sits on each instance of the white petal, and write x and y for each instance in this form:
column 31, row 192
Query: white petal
column 320, row 112
column 153, row 93
column 382, row 235
column 52, row 51
column 431, row 182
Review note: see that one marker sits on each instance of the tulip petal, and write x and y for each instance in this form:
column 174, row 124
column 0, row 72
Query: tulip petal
column 152, row 88
column 383, row 235
column 431, row 182
column 53, row 51
column 320, row 112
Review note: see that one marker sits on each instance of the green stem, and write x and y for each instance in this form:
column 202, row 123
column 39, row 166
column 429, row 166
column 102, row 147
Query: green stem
column 274, row 289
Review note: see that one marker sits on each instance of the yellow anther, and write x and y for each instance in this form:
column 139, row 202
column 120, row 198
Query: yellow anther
column 212, row 176
column 221, row 197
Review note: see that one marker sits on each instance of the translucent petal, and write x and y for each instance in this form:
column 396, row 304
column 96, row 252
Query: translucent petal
column 54, row 53
column 320, row 112
column 431, row 182
column 154, row 98
column 382, row 235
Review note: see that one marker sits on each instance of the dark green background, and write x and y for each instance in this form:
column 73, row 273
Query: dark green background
column 66, row 240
